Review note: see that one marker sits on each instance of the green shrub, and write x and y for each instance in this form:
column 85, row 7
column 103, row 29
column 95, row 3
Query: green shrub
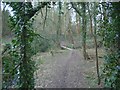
column 40, row 45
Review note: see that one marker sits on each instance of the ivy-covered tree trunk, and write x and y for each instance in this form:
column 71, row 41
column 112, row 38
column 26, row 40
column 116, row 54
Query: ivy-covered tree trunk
column 26, row 68
column 116, row 27
column 111, row 38
column 95, row 40
column 0, row 50
column 22, row 21
column 59, row 24
column 84, row 29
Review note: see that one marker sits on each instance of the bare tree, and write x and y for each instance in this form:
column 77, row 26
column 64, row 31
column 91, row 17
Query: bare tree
column 84, row 30
column 59, row 25
column 77, row 8
column 94, row 36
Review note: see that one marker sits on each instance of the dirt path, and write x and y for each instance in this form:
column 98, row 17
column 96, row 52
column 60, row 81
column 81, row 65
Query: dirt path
column 68, row 73
column 64, row 70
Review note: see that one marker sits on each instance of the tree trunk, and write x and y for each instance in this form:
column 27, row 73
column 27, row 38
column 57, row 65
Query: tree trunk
column 84, row 30
column 1, row 50
column 78, row 24
column 95, row 39
column 59, row 25
column 69, row 31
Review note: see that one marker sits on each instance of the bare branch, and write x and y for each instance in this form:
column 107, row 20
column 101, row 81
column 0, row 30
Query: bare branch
column 41, row 13
column 74, row 5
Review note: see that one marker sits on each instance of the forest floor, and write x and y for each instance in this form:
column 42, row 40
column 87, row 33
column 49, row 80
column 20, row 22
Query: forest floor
column 66, row 69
